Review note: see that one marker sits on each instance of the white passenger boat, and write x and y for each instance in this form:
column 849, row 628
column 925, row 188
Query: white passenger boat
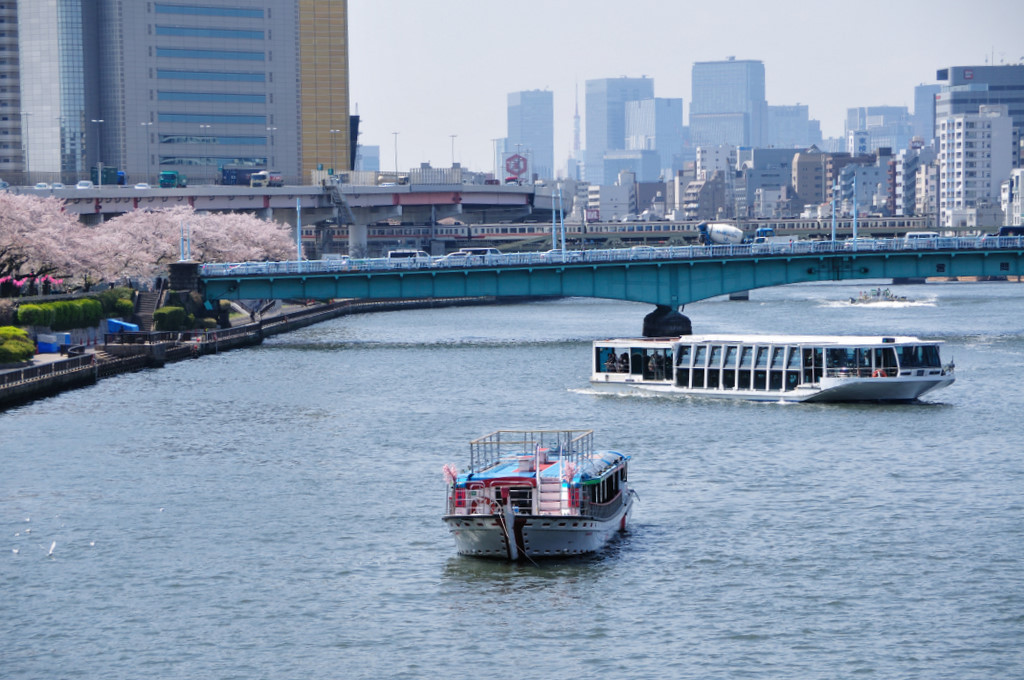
column 773, row 367
column 537, row 493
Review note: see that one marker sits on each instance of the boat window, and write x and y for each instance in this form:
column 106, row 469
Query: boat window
column 730, row 356
column 657, row 362
column 762, row 357
column 746, row 355
column 919, row 356
column 885, row 357
column 636, row 365
column 794, row 358
column 840, row 357
column 700, row 355
column 716, row 356
column 684, row 356
column 607, row 361
column 778, row 355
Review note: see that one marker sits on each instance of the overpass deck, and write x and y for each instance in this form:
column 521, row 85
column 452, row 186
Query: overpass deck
column 667, row 276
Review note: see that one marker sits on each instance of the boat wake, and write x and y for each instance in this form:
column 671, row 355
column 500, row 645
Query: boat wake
column 881, row 304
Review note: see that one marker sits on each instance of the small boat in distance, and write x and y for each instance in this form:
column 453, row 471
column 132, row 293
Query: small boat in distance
column 877, row 295
column 537, row 493
column 813, row 368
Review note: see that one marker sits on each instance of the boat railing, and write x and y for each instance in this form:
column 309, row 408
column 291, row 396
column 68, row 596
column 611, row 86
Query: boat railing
column 571, row 446
column 860, row 372
column 602, row 510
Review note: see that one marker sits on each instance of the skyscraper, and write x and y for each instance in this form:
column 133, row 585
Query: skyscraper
column 657, row 125
column 606, row 119
column 531, row 132
column 728, row 104
column 188, row 85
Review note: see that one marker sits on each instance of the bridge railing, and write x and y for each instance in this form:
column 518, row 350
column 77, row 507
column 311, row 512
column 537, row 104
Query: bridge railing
column 611, row 255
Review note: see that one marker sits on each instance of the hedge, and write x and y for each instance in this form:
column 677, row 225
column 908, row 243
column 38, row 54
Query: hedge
column 169, row 319
column 62, row 315
column 15, row 346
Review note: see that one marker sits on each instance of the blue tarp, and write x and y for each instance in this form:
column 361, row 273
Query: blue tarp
column 116, row 326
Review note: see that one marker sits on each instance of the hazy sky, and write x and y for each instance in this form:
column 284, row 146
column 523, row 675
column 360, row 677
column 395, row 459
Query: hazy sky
column 430, row 69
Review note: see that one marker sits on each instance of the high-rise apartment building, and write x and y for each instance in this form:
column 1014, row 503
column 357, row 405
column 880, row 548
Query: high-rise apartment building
column 966, row 88
column 531, row 131
column 606, row 119
column 728, row 103
column 974, row 160
column 186, row 85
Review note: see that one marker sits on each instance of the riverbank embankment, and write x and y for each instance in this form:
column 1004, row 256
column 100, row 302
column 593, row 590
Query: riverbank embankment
column 49, row 374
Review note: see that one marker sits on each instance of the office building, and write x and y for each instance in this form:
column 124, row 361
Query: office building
column 966, row 88
column 656, row 125
column 189, row 85
column 923, row 121
column 728, row 104
column 869, row 128
column 606, row 119
column 791, row 127
column 531, row 130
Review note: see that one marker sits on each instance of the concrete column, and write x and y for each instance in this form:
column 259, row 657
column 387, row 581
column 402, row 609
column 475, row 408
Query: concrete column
column 357, row 240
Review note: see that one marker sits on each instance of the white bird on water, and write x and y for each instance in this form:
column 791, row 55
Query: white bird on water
column 52, row 546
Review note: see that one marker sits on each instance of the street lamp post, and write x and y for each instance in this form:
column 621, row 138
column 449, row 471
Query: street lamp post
column 453, row 149
column 145, row 129
column 396, row 156
column 99, row 150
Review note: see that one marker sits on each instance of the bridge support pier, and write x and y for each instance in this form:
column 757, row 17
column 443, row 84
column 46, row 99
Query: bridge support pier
column 666, row 322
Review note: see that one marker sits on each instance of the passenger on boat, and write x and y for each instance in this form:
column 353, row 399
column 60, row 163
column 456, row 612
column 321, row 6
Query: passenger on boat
column 611, row 364
column 624, row 362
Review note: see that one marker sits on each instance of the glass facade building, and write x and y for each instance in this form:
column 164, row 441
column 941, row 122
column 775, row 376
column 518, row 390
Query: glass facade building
column 186, row 85
column 531, row 130
column 728, row 104
column 606, row 119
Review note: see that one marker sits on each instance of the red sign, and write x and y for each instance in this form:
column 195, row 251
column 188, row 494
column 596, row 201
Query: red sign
column 593, row 215
column 515, row 165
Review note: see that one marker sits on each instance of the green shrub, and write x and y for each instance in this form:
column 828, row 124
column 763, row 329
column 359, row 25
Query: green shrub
column 15, row 346
column 112, row 297
column 123, row 308
column 169, row 319
column 206, row 323
column 35, row 315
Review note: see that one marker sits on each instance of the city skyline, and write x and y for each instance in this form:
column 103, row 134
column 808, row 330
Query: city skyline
column 440, row 79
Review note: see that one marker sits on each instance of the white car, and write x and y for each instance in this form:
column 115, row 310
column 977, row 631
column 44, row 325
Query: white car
column 142, row 185
column 41, row 186
column 84, row 184
column 57, row 185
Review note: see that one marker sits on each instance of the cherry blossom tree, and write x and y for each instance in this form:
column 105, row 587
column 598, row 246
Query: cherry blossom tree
column 38, row 237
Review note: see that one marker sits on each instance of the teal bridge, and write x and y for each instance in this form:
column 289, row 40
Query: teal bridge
column 667, row 277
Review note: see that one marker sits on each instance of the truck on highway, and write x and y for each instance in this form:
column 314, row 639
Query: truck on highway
column 266, row 178
column 240, row 176
column 172, row 179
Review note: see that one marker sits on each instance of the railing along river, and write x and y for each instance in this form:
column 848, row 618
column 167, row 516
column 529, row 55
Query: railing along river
column 603, row 256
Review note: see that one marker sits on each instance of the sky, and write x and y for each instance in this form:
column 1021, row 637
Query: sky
column 438, row 72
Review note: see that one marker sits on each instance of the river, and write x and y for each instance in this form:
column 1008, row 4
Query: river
column 274, row 512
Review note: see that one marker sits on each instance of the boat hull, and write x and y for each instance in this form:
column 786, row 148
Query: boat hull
column 900, row 389
column 536, row 536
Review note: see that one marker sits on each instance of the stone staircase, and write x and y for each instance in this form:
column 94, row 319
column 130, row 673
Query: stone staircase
column 145, row 304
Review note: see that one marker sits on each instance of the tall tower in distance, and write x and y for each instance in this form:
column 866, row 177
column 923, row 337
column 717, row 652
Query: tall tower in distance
column 728, row 104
